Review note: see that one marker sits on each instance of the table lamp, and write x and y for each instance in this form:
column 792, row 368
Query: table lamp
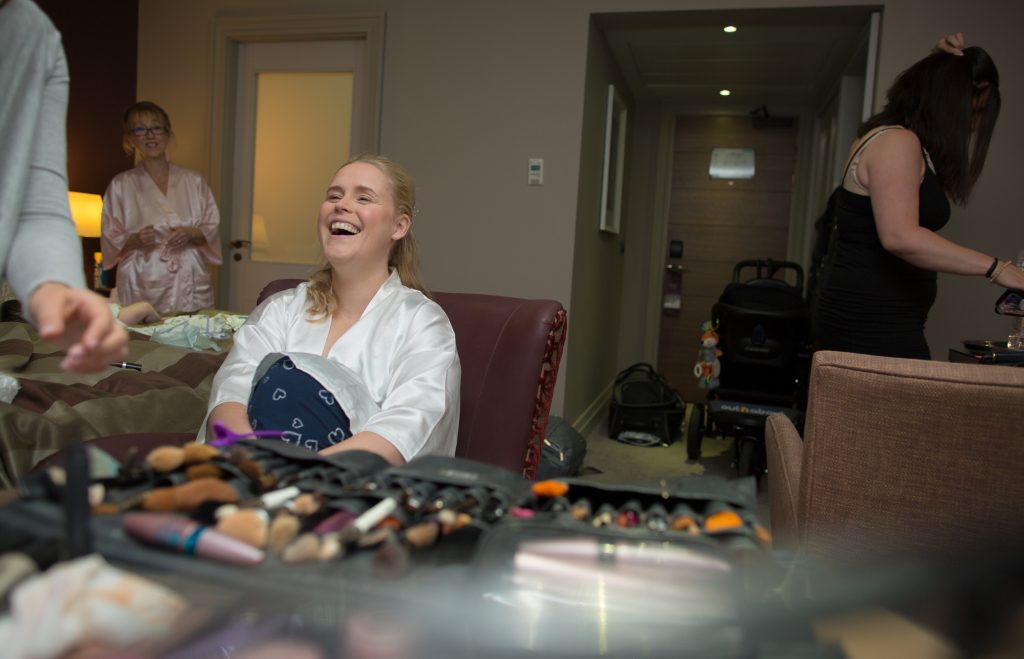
column 86, row 211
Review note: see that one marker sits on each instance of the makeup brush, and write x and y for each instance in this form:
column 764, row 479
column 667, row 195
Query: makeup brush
column 188, row 536
column 368, row 520
column 187, row 496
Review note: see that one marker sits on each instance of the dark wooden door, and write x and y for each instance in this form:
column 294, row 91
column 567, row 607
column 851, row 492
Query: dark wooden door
column 720, row 223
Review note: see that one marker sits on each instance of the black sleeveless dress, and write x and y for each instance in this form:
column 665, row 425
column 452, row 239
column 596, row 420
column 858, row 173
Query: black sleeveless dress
column 870, row 301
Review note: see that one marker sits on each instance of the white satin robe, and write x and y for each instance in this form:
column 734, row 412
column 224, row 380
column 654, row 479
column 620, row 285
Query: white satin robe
column 401, row 353
column 172, row 280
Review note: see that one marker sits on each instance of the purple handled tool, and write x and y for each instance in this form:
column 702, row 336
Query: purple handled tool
column 224, row 437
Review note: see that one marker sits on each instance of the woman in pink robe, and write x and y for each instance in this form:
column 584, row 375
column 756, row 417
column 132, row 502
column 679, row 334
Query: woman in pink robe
column 160, row 222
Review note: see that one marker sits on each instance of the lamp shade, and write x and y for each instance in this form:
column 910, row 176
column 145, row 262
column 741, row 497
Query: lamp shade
column 86, row 210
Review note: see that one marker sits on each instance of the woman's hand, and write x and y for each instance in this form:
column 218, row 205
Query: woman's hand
column 368, row 441
column 80, row 322
column 144, row 238
column 953, row 44
column 181, row 236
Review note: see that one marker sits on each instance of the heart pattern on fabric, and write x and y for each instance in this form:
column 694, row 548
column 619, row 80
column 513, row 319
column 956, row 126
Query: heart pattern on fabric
column 326, row 397
column 292, row 437
column 297, row 423
column 336, row 436
column 279, row 394
column 312, row 444
column 288, row 365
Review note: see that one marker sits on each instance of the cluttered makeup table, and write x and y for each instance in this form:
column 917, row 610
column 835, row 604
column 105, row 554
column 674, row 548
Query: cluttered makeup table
column 445, row 555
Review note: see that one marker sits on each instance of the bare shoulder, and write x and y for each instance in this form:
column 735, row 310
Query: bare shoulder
column 894, row 150
column 894, row 141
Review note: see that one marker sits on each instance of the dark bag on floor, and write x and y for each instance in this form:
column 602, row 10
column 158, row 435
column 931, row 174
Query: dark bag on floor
column 645, row 410
column 563, row 450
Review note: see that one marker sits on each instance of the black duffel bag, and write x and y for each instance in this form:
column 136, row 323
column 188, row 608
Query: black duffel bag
column 645, row 410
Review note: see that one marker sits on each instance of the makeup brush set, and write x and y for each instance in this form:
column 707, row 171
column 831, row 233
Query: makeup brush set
column 268, row 503
column 442, row 542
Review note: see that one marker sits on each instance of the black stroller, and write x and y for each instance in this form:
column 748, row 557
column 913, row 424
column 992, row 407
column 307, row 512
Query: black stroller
column 763, row 327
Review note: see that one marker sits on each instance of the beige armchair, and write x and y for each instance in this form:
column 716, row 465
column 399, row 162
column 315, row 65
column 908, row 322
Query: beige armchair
column 899, row 457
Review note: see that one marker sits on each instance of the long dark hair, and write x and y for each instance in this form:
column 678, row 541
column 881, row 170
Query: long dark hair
column 937, row 98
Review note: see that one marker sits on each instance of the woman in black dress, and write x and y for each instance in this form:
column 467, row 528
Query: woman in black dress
column 926, row 146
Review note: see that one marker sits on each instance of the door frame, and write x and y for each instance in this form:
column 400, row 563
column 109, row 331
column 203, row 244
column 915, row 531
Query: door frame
column 230, row 32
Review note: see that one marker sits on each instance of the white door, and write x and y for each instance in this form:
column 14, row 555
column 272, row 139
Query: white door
column 295, row 121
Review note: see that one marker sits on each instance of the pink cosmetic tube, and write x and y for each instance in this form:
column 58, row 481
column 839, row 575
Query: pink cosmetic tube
column 189, row 537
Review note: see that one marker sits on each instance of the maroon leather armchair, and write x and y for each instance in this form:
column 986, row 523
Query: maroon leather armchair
column 510, row 350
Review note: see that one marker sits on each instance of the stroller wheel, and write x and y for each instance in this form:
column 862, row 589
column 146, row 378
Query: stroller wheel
column 748, row 462
column 695, row 431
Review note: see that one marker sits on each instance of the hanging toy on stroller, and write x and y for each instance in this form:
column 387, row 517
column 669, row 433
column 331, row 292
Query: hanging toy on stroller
column 708, row 367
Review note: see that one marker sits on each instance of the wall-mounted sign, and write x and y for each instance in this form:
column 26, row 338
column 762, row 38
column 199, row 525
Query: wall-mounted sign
column 732, row 163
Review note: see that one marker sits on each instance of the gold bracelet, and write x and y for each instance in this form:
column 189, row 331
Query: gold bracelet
column 998, row 271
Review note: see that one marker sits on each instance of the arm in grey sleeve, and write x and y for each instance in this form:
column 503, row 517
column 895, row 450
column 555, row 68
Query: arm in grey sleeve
column 45, row 246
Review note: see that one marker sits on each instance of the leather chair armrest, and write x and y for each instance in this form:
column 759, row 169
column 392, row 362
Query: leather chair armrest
column 784, row 450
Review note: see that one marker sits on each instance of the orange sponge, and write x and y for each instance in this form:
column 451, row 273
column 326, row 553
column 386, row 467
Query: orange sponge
column 550, row 488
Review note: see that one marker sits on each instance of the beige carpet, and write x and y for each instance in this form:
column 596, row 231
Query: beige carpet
column 610, row 461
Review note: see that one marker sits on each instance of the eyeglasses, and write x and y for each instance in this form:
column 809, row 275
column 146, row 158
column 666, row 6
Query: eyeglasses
column 139, row 131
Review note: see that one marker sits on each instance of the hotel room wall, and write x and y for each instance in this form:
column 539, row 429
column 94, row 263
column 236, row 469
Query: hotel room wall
column 472, row 90
column 599, row 256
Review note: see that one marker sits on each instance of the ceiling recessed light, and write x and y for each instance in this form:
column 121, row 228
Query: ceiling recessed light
column 724, row 92
column 729, row 28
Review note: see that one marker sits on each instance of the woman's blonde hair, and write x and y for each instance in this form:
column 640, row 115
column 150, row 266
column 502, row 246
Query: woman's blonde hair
column 403, row 256
column 135, row 112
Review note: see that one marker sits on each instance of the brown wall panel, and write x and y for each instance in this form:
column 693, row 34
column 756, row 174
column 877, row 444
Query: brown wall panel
column 100, row 41
column 737, row 209
column 701, row 134
column 732, row 244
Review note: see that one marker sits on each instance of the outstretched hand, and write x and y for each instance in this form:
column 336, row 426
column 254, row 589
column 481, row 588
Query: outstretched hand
column 80, row 322
column 953, row 44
